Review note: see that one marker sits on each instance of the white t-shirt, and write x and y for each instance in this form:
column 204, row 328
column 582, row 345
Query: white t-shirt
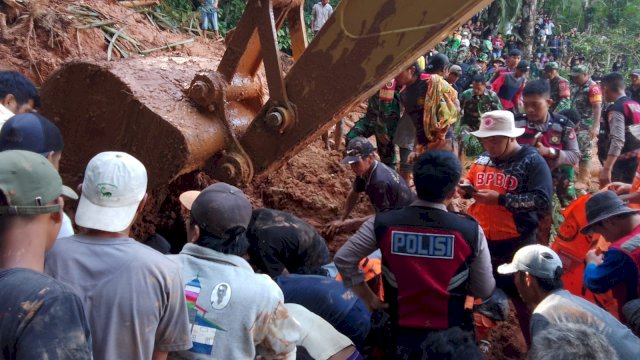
column 563, row 307
column 67, row 228
column 321, row 340
column 549, row 28
column 320, row 14
column 5, row 114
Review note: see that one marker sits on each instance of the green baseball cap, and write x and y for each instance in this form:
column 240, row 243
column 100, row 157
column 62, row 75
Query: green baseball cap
column 551, row 65
column 29, row 183
column 483, row 57
column 579, row 70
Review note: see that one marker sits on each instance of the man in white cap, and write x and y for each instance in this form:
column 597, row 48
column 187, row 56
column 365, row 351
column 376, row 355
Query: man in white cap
column 537, row 271
column 132, row 294
column 512, row 191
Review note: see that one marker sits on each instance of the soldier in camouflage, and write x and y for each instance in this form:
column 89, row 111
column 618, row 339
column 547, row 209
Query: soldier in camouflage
column 560, row 88
column 381, row 120
column 463, row 55
column 586, row 99
column 480, row 67
column 474, row 102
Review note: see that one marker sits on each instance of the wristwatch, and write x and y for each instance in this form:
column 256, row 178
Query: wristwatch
column 553, row 152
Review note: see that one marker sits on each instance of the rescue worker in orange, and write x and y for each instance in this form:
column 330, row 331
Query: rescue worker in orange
column 512, row 189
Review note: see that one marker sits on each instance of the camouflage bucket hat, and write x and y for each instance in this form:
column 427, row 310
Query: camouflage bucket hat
column 578, row 70
column 483, row 57
column 551, row 65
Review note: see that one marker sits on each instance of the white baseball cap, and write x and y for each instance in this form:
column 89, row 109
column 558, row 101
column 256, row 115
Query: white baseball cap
column 538, row 260
column 498, row 123
column 114, row 185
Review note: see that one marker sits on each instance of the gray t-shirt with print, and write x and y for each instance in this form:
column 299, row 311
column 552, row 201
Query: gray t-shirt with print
column 132, row 295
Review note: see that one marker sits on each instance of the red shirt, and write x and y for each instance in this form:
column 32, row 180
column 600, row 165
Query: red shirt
column 507, row 104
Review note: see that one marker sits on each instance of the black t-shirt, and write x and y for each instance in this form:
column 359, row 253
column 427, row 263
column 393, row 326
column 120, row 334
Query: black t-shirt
column 280, row 240
column 40, row 318
column 412, row 98
column 385, row 188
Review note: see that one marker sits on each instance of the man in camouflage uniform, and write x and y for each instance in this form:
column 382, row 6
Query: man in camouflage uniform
column 480, row 67
column 381, row 120
column 586, row 99
column 560, row 88
column 463, row 55
column 474, row 102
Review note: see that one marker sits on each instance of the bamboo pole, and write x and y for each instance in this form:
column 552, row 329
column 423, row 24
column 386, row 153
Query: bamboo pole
column 136, row 3
column 168, row 46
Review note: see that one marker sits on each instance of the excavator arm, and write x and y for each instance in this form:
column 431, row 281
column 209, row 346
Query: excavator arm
column 362, row 46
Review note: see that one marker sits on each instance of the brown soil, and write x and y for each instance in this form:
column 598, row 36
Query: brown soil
column 313, row 184
column 42, row 36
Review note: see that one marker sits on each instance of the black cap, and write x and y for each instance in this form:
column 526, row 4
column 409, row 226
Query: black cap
column 437, row 62
column 479, row 78
column 220, row 208
column 515, row 52
column 357, row 149
column 602, row 206
column 30, row 132
column 523, row 65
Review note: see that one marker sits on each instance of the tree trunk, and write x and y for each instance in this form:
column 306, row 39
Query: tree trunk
column 528, row 27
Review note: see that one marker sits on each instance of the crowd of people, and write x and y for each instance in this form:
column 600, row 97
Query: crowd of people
column 416, row 279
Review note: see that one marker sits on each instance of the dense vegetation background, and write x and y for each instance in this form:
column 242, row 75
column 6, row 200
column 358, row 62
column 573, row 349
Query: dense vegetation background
column 605, row 28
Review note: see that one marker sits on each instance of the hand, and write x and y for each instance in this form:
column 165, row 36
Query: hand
column 333, row 228
column 489, row 197
column 352, row 225
column 618, row 187
column 543, row 150
column 593, row 133
column 593, row 257
column 604, row 177
column 412, row 157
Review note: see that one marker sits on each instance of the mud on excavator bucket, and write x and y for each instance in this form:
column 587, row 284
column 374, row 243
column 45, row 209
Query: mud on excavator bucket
column 240, row 115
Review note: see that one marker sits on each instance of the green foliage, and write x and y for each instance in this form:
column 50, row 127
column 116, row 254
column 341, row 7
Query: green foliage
column 229, row 14
column 601, row 50
column 608, row 28
column 181, row 13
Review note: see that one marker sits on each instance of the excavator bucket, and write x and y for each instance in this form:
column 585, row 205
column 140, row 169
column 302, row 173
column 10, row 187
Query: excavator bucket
column 140, row 108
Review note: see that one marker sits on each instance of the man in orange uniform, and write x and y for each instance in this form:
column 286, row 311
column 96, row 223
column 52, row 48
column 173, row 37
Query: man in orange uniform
column 513, row 190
